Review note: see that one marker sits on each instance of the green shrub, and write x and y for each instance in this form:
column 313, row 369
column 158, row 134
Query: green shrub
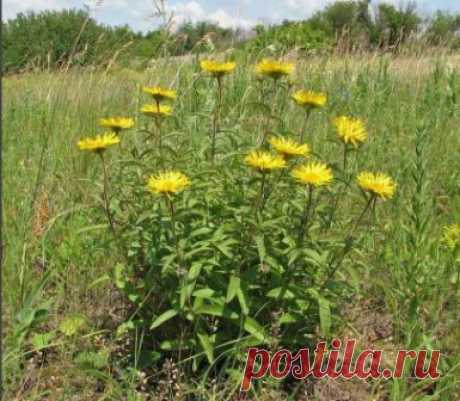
column 52, row 38
column 290, row 35
column 443, row 29
column 241, row 257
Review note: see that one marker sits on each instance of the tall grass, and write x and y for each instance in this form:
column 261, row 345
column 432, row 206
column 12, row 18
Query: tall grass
column 58, row 251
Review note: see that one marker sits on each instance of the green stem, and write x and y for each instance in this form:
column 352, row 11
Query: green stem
column 345, row 158
column 372, row 199
column 275, row 96
column 304, row 125
column 170, row 204
column 348, row 243
column 271, row 189
column 306, row 218
column 216, row 119
column 272, row 113
column 105, row 195
column 342, row 188
column 261, row 194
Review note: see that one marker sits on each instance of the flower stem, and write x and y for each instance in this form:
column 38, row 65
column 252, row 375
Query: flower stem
column 275, row 96
column 216, row 119
column 106, row 196
column 260, row 199
column 348, row 244
column 372, row 199
column 304, row 125
column 271, row 189
column 272, row 113
column 170, row 204
column 342, row 188
column 304, row 223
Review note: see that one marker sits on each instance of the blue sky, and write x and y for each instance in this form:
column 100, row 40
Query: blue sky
column 228, row 13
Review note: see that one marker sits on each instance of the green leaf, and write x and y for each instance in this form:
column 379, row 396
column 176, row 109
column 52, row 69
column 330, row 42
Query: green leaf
column 71, row 325
column 233, row 288
column 287, row 318
column 97, row 360
column 200, row 231
column 164, row 317
column 242, row 300
column 324, row 312
column 41, row 341
column 125, row 328
column 133, row 297
column 261, row 247
column 207, row 293
column 324, row 316
column 284, row 293
column 169, row 345
column 215, row 309
column 254, row 328
column 224, row 249
column 119, row 276
column 208, row 346
column 194, row 271
column 99, row 280
column 190, row 282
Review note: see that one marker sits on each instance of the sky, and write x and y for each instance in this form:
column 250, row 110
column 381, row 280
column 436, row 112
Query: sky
column 139, row 14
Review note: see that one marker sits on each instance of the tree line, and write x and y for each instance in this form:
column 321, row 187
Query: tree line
column 51, row 39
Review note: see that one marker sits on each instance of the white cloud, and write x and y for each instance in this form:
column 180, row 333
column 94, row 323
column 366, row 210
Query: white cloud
column 192, row 11
column 307, row 5
column 11, row 7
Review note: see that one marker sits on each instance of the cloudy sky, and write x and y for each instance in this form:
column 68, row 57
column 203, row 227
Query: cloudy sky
column 228, row 13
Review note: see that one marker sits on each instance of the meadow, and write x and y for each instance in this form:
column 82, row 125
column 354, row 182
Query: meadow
column 161, row 301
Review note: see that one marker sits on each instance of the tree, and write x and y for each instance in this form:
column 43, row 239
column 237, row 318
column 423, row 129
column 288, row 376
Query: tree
column 396, row 25
column 346, row 19
column 444, row 28
column 59, row 37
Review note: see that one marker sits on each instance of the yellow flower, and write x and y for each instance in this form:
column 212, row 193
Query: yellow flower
column 315, row 174
column 160, row 94
column 152, row 110
column 377, row 184
column 264, row 161
column 289, row 148
column 99, row 143
column 116, row 124
column 310, row 99
column 168, row 182
column 273, row 68
column 350, row 130
column 217, row 69
column 452, row 236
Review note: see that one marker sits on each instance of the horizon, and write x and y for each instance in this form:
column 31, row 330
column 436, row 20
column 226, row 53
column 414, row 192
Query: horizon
column 245, row 14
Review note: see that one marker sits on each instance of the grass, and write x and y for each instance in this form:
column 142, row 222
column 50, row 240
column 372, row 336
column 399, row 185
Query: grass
column 58, row 250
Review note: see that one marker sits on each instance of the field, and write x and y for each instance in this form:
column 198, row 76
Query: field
column 162, row 304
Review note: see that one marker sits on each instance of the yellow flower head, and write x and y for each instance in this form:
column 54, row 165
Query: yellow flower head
column 160, row 94
column 315, row 174
column 273, row 68
column 116, row 124
column 377, row 184
column 264, row 161
column 168, row 182
column 288, row 148
column 217, row 69
column 99, row 143
column 452, row 236
column 350, row 130
column 152, row 110
column 309, row 99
